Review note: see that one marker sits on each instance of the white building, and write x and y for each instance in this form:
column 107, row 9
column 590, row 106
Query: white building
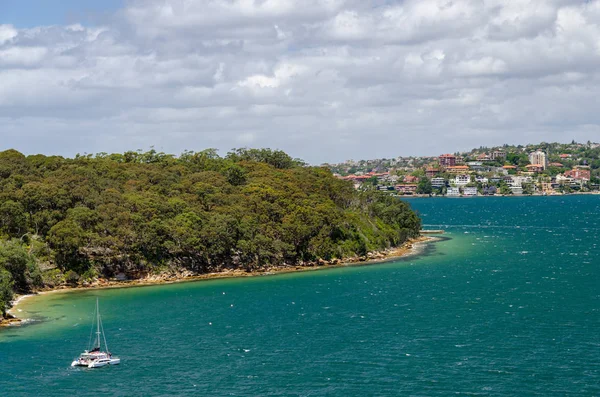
column 518, row 181
column 462, row 180
column 470, row 191
column 563, row 179
column 538, row 157
column 453, row 192
column 438, row 182
column 516, row 190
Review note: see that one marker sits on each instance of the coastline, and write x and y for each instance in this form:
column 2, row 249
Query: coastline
column 594, row 193
column 410, row 248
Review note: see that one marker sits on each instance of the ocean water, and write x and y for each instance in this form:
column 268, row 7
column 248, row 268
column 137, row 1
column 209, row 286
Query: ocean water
column 507, row 304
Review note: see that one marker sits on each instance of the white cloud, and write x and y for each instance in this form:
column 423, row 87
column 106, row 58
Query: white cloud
column 22, row 56
column 323, row 79
column 7, row 33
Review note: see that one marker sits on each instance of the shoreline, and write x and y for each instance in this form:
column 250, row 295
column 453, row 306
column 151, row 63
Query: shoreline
column 594, row 193
column 410, row 248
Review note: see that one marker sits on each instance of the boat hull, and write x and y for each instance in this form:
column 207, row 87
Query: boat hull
column 97, row 364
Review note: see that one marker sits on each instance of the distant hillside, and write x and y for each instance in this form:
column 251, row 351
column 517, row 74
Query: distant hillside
column 567, row 155
column 71, row 220
column 583, row 152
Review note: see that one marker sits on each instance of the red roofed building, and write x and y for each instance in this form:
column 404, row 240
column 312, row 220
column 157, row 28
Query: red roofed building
column 458, row 169
column 556, row 165
column 406, row 189
column 535, row 167
column 579, row 174
column 357, row 178
column 431, row 172
column 411, row 179
column 447, row 160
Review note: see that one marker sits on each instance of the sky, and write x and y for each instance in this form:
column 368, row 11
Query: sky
column 324, row 80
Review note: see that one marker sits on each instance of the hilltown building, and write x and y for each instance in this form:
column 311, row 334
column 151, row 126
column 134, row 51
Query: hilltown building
column 453, row 192
column 447, row 160
column 534, row 167
column 411, row 179
column 498, row 155
column 539, row 157
column 470, row 191
column 458, row 169
column 406, row 189
column 438, row 182
column 579, row 174
column 462, row 180
column 431, row 172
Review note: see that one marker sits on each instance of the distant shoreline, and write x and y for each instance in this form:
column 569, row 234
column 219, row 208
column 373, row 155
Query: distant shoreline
column 504, row 195
column 410, row 248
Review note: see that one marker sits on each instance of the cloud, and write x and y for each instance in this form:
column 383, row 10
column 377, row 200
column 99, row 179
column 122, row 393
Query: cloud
column 323, row 79
column 7, row 33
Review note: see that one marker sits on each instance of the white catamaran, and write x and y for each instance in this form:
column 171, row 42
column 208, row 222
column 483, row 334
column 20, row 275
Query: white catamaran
column 95, row 357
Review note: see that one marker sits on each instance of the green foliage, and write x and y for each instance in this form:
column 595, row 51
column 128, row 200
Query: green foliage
column 528, row 189
column 135, row 212
column 424, row 186
column 505, row 190
column 13, row 219
column 18, row 271
column 6, row 291
column 22, row 266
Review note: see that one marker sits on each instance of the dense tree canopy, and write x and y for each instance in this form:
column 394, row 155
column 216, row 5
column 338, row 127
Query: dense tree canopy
column 136, row 213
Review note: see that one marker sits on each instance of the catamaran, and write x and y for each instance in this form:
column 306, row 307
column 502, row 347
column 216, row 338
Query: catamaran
column 95, row 357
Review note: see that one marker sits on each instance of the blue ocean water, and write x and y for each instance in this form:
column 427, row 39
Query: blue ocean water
column 507, row 304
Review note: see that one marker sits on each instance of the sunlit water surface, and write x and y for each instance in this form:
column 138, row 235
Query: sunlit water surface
column 507, row 305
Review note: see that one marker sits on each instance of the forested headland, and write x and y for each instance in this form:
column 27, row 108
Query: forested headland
column 72, row 220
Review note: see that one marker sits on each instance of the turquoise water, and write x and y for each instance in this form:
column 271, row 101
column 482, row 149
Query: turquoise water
column 507, row 305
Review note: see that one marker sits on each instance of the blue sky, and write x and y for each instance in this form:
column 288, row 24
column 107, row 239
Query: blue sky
column 31, row 13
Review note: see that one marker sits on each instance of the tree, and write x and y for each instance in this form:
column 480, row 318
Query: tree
column 66, row 238
column 13, row 219
column 20, row 264
column 424, row 186
column 6, row 293
column 505, row 190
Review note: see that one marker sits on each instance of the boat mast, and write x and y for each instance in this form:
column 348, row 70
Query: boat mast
column 98, row 322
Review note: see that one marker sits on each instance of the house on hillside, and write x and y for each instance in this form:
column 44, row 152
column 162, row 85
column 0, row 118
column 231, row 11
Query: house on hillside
column 470, row 191
column 458, row 169
column 447, row 160
column 534, row 168
column 498, row 155
column 462, row 180
column 453, row 192
column 411, row 179
column 406, row 189
column 438, row 182
column 431, row 172
column 579, row 174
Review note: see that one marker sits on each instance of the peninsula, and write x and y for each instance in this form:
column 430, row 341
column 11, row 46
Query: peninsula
column 96, row 219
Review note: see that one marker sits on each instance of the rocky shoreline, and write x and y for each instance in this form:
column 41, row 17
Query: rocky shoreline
column 171, row 276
